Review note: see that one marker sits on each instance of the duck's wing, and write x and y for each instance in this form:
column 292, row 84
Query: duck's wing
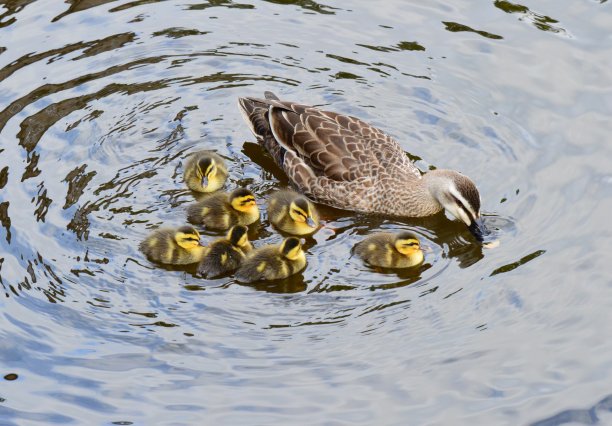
column 325, row 154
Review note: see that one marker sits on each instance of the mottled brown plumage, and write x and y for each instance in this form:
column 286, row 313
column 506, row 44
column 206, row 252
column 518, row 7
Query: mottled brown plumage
column 341, row 161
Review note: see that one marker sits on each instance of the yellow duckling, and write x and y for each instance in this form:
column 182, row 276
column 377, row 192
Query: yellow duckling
column 205, row 171
column 226, row 254
column 292, row 213
column 173, row 246
column 389, row 250
column 223, row 210
column 273, row 262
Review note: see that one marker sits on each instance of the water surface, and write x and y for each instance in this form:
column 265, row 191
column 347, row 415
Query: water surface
column 101, row 101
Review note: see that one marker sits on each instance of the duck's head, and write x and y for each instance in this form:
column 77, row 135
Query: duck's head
column 300, row 212
column 187, row 237
column 408, row 244
column 460, row 197
column 207, row 171
column 291, row 248
column 238, row 236
column 243, row 200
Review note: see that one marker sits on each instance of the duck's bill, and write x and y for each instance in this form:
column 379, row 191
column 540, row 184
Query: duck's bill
column 310, row 222
column 478, row 229
column 204, row 182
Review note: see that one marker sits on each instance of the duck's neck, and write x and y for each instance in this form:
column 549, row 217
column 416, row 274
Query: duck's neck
column 423, row 197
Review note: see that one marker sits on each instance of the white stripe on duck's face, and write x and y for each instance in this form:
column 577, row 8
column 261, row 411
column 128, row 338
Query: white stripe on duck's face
column 459, row 207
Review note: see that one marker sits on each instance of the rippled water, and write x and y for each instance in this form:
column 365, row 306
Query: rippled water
column 100, row 101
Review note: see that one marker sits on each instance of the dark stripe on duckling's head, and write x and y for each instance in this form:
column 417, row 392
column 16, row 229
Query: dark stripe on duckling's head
column 241, row 193
column 236, row 234
column 241, row 197
column 189, row 230
column 290, row 246
column 187, row 237
column 407, row 244
column 302, row 203
column 406, row 235
column 204, row 164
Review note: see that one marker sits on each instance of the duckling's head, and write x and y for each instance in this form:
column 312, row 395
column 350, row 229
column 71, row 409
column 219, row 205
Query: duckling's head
column 207, row 171
column 408, row 244
column 300, row 212
column 238, row 236
column 187, row 237
column 459, row 196
column 243, row 200
column 291, row 248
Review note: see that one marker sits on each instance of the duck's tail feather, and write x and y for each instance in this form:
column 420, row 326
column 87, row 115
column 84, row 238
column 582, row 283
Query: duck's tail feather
column 271, row 96
column 256, row 113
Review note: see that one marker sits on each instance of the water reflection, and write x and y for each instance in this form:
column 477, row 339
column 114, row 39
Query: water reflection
column 541, row 22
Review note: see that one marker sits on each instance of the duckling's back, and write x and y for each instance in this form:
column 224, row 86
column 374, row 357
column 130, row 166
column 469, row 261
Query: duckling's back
column 377, row 249
column 266, row 263
column 214, row 212
column 278, row 207
column 221, row 258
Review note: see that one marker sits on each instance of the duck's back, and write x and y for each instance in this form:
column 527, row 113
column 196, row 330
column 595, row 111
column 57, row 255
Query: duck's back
column 334, row 158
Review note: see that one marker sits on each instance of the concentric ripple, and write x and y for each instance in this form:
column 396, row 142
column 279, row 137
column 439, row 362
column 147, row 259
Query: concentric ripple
column 101, row 102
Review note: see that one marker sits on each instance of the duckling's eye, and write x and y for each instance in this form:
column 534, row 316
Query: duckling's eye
column 411, row 244
column 247, row 200
column 300, row 213
column 191, row 239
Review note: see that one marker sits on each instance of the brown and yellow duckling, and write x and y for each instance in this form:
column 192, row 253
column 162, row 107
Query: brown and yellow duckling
column 179, row 246
column 205, row 171
column 273, row 262
column 389, row 250
column 292, row 213
column 223, row 210
column 226, row 254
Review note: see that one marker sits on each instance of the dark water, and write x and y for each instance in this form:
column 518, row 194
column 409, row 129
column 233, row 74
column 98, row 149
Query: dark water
column 101, row 100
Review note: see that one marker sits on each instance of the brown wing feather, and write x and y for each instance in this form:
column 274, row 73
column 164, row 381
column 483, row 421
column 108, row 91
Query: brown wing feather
column 333, row 158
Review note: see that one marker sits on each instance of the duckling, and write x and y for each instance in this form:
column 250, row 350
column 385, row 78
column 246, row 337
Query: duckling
column 273, row 262
column 226, row 254
column 389, row 250
column 223, row 210
column 173, row 246
column 292, row 213
column 205, row 171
